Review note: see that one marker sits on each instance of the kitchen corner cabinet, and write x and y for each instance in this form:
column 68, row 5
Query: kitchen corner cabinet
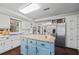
column 36, row 47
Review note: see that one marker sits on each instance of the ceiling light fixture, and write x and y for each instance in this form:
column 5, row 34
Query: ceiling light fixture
column 29, row 8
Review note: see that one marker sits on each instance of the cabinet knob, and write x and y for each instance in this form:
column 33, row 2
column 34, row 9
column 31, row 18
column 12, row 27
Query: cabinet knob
column 50, row 53
column 7, row 38
column 30, row 41
column 42, row 44
column 23, row 39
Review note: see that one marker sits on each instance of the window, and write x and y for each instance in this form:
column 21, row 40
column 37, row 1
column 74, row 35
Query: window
column 14, row 25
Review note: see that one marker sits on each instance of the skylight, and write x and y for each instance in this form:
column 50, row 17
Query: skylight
column 30, row 8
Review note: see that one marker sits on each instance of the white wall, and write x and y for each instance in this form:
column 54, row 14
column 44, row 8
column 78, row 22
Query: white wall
column 4, row 21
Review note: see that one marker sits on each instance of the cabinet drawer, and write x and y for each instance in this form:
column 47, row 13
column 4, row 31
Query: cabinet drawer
column 43, row 51
column 43, row 44
column 32, row 42
column 31, row 50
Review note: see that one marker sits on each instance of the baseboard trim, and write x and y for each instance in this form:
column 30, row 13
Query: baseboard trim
column 67, row 47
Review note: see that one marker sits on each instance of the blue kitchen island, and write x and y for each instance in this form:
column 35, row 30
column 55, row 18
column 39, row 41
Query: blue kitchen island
column 37, row 45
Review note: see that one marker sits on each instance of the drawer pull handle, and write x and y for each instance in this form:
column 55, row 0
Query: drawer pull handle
column 23, row 39
column 42, row 44
column 30, row 41
column 36, row 50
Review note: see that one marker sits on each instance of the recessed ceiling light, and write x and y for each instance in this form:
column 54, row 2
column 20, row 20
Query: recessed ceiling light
column 30, row 8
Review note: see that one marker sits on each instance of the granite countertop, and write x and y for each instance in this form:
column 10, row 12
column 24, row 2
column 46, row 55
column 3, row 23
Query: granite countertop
column 4, row 36
column 48, row 38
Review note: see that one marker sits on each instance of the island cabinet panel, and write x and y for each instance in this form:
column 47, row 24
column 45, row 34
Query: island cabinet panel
column 24, row 47
column 44, row 48
column 43, row 44
column 43, row 51
column 31, row 47
column 31, row 50
column 36, row 47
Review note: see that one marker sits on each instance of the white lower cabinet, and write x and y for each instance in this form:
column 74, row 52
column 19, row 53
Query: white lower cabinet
column 1, row 46
column 15, row 43
column 8, row 43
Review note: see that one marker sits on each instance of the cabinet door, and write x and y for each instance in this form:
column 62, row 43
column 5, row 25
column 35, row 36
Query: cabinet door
column 31, row 50
column 43, row 44
column 43, row 48
column 72, row 43
column 7, row 43
column 24, row 47
column 31, row 47
column 43, row 51
column 1, row 47
column 31, row 42
column 16, row 43
column 52, row 49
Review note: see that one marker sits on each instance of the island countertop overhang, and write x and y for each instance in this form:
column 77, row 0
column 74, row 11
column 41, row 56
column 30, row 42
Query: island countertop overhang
column 47, row 38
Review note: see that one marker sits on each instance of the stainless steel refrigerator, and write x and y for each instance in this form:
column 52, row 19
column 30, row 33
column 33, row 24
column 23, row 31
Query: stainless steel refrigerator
column 60, row 34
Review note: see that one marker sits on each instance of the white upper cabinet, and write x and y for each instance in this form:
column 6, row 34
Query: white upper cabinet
column 25, row 27
column 71, row 31
column 4, row 21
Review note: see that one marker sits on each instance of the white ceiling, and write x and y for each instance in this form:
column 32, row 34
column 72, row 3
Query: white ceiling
column 55, row 9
